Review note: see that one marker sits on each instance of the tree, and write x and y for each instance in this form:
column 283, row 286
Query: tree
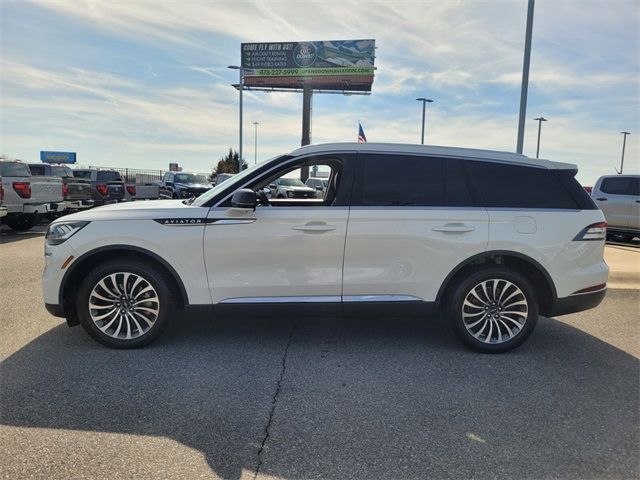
column 228, row 164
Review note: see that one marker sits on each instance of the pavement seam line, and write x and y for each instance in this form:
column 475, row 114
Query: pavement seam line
column 274, row 401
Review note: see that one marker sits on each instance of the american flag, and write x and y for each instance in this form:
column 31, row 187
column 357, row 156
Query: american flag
column 361, row 136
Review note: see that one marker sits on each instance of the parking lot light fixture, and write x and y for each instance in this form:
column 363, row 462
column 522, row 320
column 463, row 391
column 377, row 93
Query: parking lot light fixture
column 539, row 120
column 424, row 108
column 240, row 89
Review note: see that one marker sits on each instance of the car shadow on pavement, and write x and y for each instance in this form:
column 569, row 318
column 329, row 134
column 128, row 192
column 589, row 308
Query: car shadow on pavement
column 358, row 398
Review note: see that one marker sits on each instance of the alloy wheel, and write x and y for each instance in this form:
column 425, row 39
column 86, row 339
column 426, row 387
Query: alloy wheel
column 495, row 311
column 124, row 305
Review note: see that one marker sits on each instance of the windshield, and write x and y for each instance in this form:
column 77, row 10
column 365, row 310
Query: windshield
column 189, row 178
column 291, row 182
column 234, row 181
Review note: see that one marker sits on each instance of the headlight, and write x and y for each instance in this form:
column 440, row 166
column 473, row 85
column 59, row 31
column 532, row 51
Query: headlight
column 60, row 232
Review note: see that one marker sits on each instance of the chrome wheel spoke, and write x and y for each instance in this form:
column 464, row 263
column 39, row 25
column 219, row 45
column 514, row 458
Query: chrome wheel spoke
column 125, row 310
column 500, row 316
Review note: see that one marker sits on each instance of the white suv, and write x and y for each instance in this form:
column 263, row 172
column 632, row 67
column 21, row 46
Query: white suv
column 490, row 239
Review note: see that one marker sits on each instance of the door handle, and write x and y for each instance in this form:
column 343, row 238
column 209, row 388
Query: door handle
column 601, row 199
column 314, row 227
column 637, row 201
column 453, row 228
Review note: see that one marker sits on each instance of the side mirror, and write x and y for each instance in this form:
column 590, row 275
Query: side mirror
column 272, row 185
column 319, row 188
column 244, row 198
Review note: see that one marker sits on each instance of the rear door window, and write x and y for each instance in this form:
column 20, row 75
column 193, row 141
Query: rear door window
column 621, row 186
column 402, row 180
column 516, row 186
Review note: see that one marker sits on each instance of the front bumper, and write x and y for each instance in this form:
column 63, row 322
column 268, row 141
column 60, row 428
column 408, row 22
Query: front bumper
column 577, row 303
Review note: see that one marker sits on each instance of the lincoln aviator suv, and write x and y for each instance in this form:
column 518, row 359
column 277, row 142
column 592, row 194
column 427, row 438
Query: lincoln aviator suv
column 489, row 240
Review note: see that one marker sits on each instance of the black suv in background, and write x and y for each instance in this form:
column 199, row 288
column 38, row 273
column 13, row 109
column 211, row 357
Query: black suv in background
column 106, row 185
column 183, row 185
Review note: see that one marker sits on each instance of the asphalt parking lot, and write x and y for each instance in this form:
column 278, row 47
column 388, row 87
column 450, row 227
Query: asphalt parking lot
column 329, row 398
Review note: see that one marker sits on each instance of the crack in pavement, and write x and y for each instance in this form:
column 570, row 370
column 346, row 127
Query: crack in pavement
column 274, row 401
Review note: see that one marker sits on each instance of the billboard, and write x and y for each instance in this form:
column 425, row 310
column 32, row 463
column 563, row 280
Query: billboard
column 328, row 65
column 58, row 157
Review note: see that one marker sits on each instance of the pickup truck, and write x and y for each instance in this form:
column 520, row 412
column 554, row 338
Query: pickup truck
column 183, row 185
column 106, row 185
column 618, row 196
column 28, row 198
column 3, row 209
column 76, row 191
column 141, row 191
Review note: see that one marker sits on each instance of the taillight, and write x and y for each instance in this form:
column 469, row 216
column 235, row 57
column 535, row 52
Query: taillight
column 23, row 189
column 102, row 189
column 65, row 190
column 132, row 190
column 595, row 231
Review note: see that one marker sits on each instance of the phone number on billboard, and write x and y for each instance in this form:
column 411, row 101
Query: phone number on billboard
column 294, row 72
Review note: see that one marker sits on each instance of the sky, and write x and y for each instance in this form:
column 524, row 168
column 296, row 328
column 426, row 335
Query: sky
column 141, row 84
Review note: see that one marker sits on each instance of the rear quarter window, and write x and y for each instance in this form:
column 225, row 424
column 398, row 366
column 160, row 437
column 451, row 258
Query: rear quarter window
column 14, row 169
column 515, row 186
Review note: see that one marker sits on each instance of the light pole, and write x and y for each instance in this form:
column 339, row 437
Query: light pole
column 255, row 143
column 424, row 109
column 525, row 76
column 539, row 120
column 240, row 89
column 624, row 144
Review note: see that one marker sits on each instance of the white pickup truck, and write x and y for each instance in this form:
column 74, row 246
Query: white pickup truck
column 618, row 196
column 27, row 198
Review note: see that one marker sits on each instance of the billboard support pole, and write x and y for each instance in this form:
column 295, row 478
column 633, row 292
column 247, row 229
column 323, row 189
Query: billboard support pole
column 307, row 97
column 525, row 76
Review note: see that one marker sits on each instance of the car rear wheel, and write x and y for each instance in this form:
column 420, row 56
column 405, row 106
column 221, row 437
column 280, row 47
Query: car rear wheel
column 125, row 303
column 494, row 309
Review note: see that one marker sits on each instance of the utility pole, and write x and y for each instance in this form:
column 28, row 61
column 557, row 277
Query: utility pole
column 540, row 120
column 240, row 89
column 255, row 140
column 424, row 110
column 624, row 144
column 307, row 98
column 525, row 76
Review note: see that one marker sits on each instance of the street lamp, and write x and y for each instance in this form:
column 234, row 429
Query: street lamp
column 539, row 120
column 624, row 144
column 255, row 140
column 424, row 108
column 240, row 89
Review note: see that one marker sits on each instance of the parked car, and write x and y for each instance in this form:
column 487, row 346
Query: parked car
column 318, row 184
column 222, row 177
column 488, row 239
column 618, row 196
column 76, row 192
column 291, row 188
column 27, row 198
column 183, row 185
column 3, row 208
column 106, row 185
column 141, row 191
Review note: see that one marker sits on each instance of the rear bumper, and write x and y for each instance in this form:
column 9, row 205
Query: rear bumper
column 45, row 207
column 3, row 211
column 577, row 303
column 78, row 204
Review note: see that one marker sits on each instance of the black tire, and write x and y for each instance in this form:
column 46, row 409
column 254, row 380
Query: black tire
column 23, row 221
column 500, row 275
column 156, row 277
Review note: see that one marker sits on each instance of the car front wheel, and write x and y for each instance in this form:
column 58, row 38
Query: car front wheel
column 125, row 303
column 494, row 309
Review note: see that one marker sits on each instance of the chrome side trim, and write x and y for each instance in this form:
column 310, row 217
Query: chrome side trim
column 311, row 299
column 231, row 221
column 380, row 298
